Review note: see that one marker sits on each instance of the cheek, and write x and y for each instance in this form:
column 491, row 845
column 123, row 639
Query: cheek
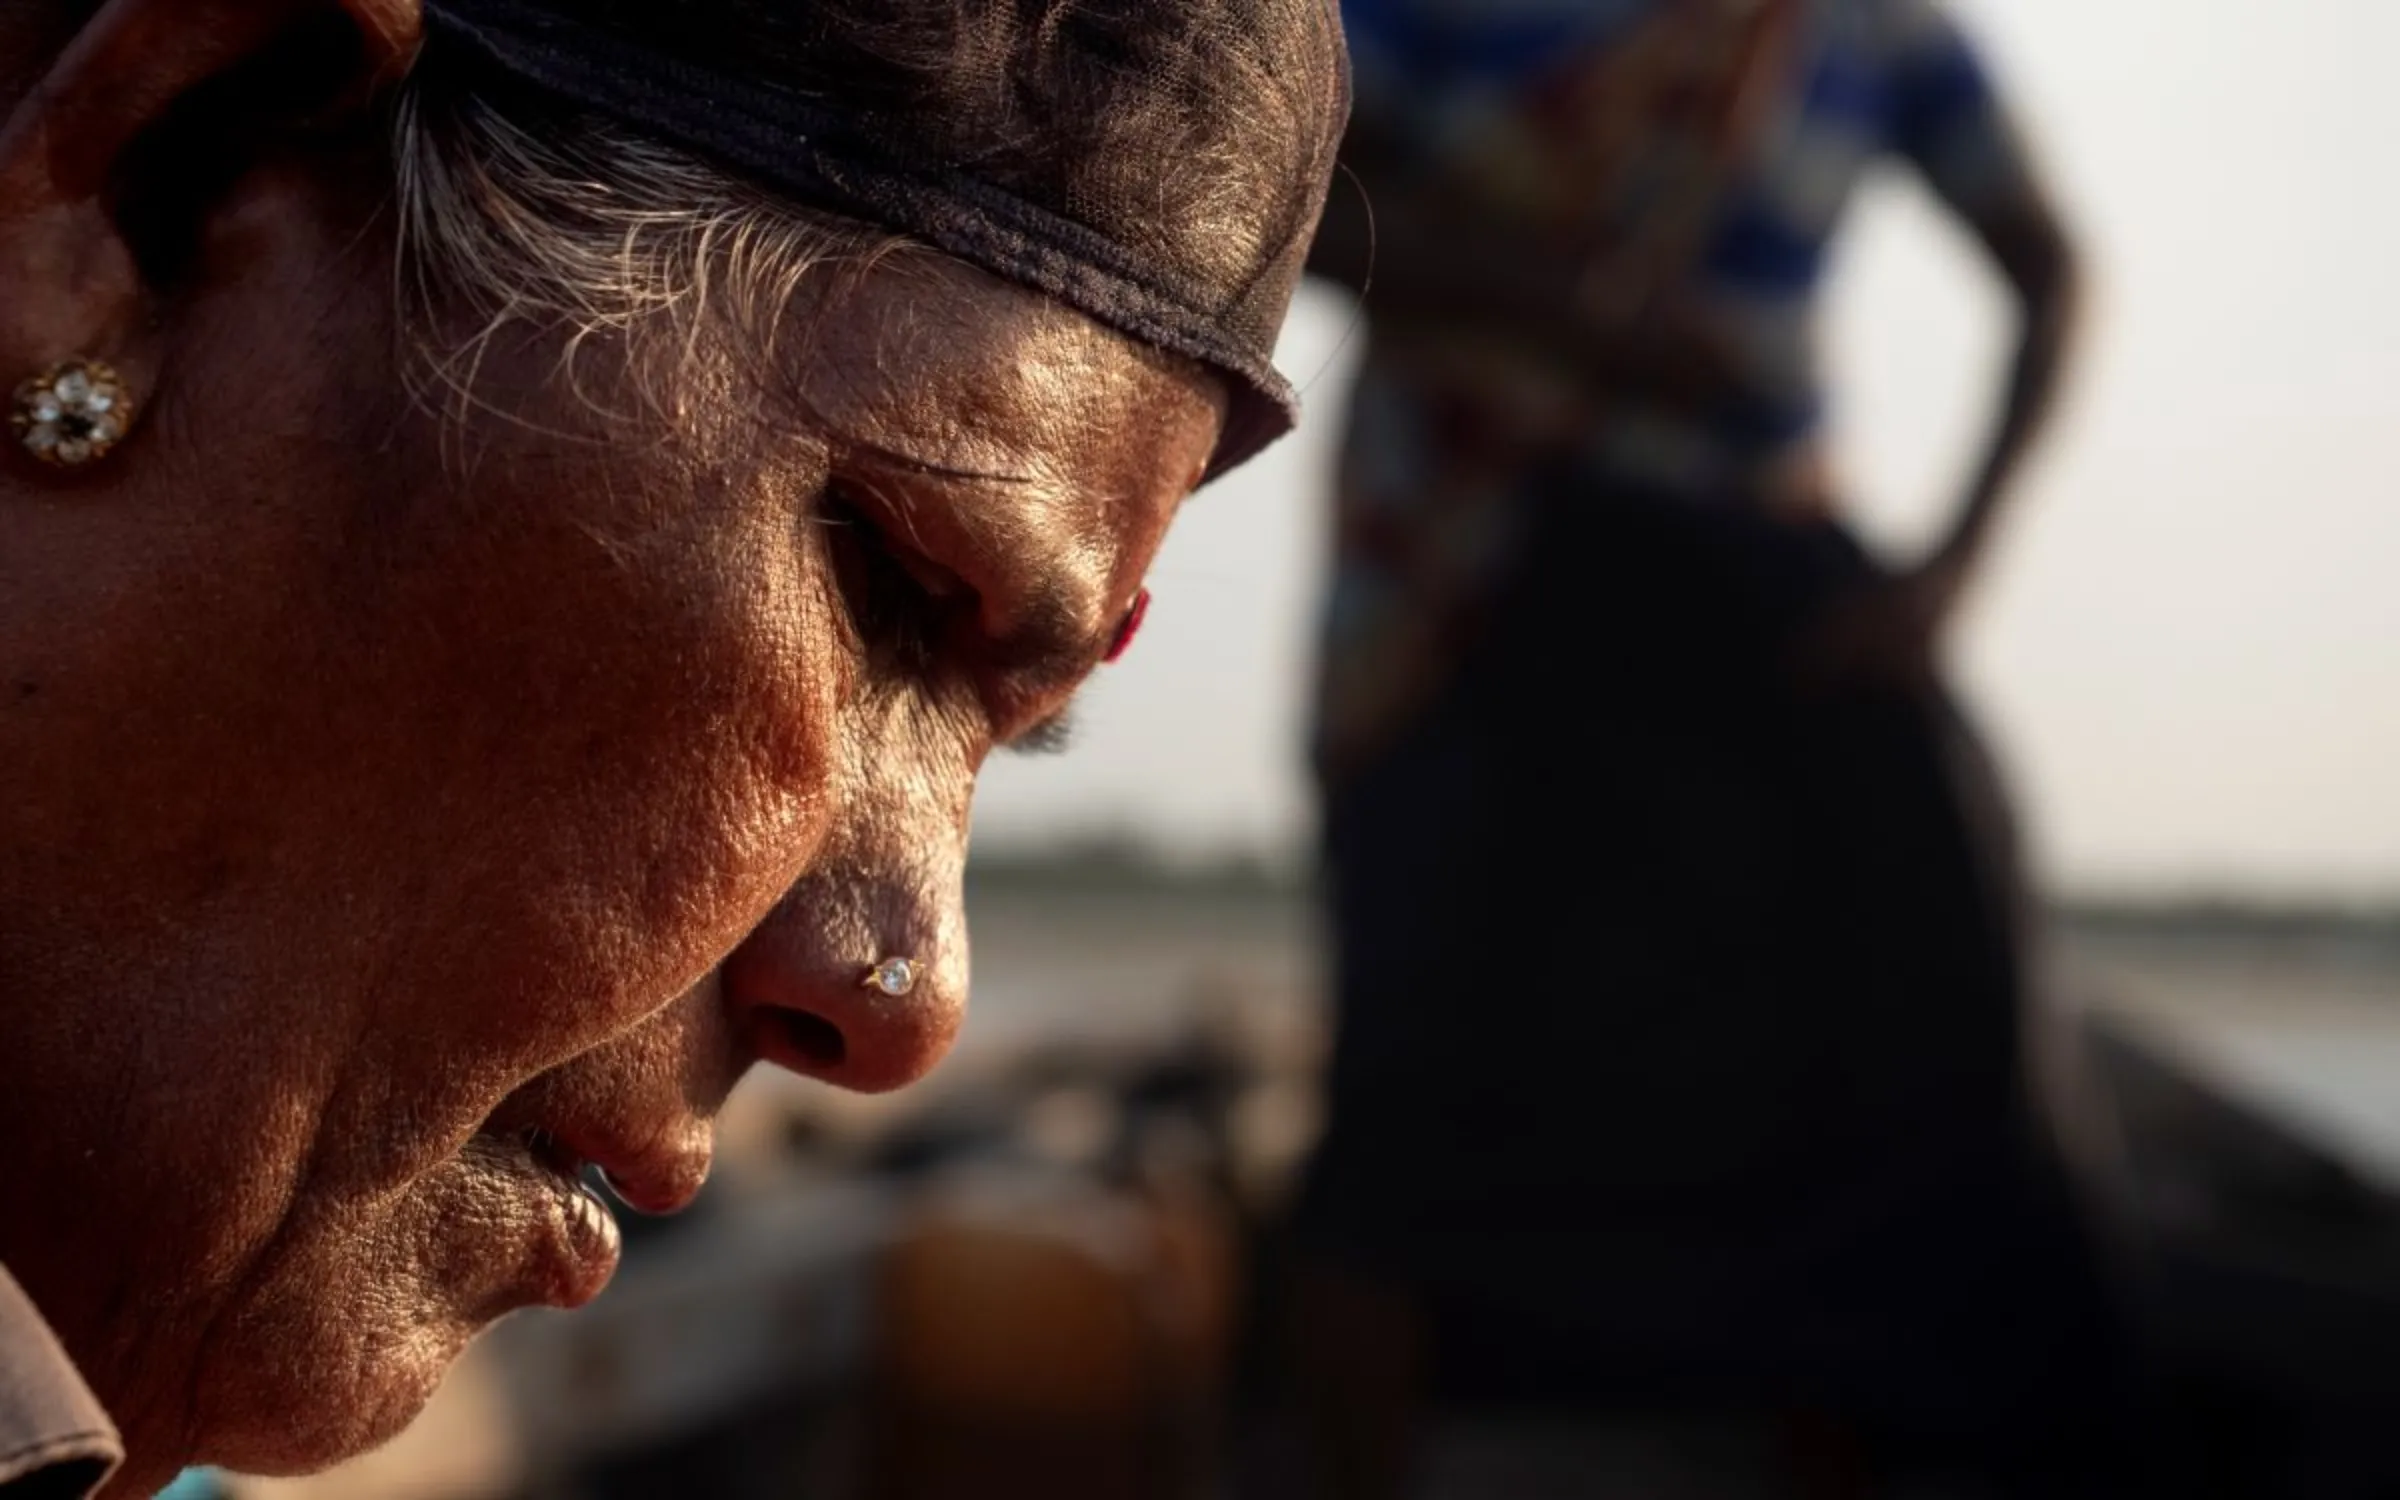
column 389, row 823
column 541, row 761
column 656, row 766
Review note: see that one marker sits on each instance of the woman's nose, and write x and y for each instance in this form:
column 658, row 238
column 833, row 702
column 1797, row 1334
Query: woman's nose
column 856, row 985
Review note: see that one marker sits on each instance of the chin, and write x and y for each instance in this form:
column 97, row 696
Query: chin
column 306, row 1409
column 340, row 1346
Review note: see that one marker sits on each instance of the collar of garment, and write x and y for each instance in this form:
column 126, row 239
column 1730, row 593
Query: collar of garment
column 54, row 1438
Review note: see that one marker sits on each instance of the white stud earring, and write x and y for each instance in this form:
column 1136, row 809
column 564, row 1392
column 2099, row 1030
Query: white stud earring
column 72, row 414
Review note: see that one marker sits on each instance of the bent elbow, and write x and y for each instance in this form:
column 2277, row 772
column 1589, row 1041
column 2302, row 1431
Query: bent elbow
column 2047, row 268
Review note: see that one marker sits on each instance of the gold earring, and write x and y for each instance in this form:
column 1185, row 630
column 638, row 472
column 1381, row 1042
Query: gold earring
column 72, row 414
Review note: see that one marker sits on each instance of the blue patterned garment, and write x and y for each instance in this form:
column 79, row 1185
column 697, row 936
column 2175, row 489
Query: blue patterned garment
column 1605, row 134
column 1440, row 47
column 1861, row 80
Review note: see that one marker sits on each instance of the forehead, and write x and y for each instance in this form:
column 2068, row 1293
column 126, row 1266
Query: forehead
column 943, row 366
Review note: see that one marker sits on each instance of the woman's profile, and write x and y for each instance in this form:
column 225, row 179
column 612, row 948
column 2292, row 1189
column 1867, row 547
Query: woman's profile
column 519, row 522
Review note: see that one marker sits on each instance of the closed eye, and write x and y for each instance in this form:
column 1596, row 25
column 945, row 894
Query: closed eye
column 898, row 602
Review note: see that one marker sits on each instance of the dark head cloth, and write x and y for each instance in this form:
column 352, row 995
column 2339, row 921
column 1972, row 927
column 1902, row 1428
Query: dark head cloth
column 1176, row 204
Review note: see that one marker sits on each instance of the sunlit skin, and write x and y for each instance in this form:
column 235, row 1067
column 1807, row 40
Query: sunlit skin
column 384, row 785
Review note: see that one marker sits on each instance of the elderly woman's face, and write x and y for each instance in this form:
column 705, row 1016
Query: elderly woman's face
column 404, row 808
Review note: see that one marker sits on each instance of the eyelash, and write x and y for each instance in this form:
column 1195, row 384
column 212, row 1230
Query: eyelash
column 1055, row 737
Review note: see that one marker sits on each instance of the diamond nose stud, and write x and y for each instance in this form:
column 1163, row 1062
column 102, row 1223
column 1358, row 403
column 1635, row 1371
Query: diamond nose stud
column 894, row 976
column 73, row 415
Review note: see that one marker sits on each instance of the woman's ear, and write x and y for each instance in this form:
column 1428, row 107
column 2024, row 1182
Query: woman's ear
column 110, row 148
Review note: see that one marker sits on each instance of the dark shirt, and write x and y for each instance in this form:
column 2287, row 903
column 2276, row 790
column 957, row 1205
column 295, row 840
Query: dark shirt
column 55, row 1441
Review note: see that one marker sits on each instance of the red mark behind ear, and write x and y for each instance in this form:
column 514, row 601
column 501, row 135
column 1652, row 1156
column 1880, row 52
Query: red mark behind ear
column 1130, row 627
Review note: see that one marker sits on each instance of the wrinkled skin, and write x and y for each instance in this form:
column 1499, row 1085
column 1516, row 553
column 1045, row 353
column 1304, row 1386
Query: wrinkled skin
column 380, row 786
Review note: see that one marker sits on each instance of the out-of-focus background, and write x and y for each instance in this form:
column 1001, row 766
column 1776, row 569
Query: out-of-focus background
column 2189, row 653
column 1029, row 1275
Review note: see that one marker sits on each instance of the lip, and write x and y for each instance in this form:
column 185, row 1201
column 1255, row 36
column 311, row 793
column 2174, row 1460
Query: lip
column 574, row 1240
column 657, row 1182
column 540, row 1146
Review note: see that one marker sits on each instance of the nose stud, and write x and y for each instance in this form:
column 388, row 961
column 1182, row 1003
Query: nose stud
column 895, row 977
column 73, row 414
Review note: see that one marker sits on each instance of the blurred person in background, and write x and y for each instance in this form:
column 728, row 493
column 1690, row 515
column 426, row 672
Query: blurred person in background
column 1678, row 1076
column 520, row 523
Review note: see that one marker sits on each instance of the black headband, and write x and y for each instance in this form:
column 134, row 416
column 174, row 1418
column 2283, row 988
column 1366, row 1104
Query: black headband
column 808, row 143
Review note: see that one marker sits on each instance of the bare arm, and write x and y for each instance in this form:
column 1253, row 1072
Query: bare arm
column 1895, row 631
column 2030, row 247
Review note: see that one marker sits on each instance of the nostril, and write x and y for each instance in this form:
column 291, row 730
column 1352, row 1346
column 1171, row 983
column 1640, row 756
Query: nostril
column 816, row 1018
column 814, row 1041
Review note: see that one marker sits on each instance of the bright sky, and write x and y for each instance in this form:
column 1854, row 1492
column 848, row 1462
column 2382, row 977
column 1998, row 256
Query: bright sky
column 2189, row 653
